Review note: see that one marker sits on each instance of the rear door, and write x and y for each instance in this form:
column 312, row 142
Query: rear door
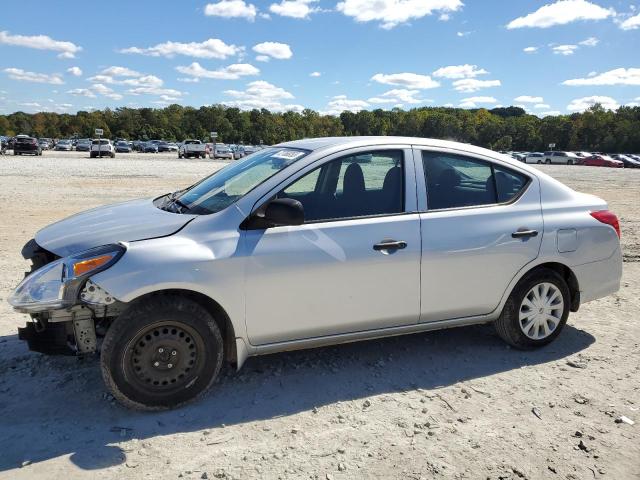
column 481, row 224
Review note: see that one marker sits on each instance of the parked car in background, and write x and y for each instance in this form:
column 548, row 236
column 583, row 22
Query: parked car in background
column 4, row 144
column 173, row 147
column 102, row 148
column 64, row 146
column 222, row 151
column 24, row 145
column 149, row 147
column 122, row 147
column 83, row 145
column 520, row 156
column 238, row 151
column 45, row 143
column 301, row 246
column 563, row 158
column 534, row 157
column 163, row 147
column 600, row 160
column 192, row 149
column 249, row 149
column 627, row 160
column 583, row 154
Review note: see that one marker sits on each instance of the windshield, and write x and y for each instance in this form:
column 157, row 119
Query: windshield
column 231, row 183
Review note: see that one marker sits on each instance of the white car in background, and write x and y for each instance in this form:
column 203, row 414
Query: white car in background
column 534, row 157
column 222, row 151
column 561, row 158
column 102, row 148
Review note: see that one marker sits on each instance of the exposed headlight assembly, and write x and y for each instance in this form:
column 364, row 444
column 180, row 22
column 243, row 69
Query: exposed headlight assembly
column 57, row 284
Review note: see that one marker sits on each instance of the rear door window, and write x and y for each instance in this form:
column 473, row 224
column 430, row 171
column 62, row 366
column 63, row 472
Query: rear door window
column 456, row 181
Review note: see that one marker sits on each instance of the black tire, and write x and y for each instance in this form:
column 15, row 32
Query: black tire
column 141, row 343
column 508, row 324
column 547, row 161
column 539, row 161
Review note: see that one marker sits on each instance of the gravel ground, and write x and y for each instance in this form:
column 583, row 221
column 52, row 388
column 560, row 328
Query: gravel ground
column 448, row 404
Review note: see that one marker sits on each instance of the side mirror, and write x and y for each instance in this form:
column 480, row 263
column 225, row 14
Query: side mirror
column 278, row 212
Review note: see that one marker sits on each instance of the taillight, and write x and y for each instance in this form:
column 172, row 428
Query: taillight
column 608, row 218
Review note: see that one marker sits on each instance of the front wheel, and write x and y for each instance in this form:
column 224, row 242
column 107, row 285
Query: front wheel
column 536, row 310
column 161, row 353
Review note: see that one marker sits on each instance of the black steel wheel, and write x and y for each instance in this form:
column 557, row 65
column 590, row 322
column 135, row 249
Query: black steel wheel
column 162, row 352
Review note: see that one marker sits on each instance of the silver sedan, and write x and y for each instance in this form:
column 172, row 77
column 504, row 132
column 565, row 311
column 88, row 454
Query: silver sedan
column 310, row 243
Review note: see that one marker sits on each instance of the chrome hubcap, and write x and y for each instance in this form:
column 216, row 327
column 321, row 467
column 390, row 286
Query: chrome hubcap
column 541, row 311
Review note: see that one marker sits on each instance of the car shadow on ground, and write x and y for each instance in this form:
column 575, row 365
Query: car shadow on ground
column 55, row 406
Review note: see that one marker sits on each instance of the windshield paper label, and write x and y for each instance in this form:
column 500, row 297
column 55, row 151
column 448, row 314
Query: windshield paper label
column 288, row 154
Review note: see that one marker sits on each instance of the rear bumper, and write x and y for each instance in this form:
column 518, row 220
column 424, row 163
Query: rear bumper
column 599, row 279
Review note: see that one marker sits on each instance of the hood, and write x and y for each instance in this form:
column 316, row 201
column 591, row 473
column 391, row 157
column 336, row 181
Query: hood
column 121, row 222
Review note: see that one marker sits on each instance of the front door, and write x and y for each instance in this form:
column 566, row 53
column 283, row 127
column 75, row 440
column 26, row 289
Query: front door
column 354, row 265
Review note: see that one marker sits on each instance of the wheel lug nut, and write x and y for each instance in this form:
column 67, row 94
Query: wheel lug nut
column 156, row 364
column 160, row 350
column 170, row 365
column 174, row 352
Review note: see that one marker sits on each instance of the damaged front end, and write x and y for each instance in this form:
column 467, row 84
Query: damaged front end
column 68, row 311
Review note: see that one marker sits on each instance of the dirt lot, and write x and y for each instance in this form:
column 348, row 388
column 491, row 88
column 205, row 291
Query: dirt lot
column 449, row 404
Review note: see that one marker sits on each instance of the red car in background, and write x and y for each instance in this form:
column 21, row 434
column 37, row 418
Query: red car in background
column 602, row 161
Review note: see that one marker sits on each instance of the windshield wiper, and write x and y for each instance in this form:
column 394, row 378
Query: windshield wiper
column 173, row 200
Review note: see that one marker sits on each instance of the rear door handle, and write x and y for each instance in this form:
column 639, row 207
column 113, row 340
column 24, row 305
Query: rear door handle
column 390, row 245
column 524, row 233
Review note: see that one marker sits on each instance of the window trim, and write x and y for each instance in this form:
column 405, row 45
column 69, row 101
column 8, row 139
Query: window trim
column 410, row 182
column 422, row 182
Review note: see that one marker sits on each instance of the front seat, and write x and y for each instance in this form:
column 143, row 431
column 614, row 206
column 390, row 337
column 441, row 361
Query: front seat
column 392, row 191
column 354, row 194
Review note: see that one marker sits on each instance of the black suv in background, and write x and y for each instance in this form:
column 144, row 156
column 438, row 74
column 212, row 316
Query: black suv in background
column 24, row 145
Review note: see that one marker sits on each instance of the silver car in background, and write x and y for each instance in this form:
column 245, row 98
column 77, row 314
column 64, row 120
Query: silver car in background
column 311, row 243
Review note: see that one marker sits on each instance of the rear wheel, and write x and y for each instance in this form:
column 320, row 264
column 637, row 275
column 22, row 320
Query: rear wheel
column 161, row 353
column 547, row 161
column 536, row 311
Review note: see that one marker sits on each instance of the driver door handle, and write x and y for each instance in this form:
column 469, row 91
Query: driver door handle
column 524, row 233
column 390, row 245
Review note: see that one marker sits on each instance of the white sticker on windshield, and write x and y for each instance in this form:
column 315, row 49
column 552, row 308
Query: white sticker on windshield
column 288, row 154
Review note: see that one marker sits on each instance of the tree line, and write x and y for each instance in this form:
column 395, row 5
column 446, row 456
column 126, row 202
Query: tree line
column 509, row 128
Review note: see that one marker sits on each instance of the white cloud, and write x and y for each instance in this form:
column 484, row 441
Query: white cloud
column 582, row 104
column 410, row 80
column 263, row 58
column 590, row 42
column 391, row 13
column 106, row 91
column 340, row 103
column 30, row 105
column 551, row 113
column 25, row 76
column 540, row 106
column 398, row 96
column 188, row 79
column 155, row 91
column 618, row 76
column 470, row 85
column 528, row 99
column 459, row 71
column 315, row 74
column 211, row 48
column 463, row 34
column 294, row 8
column 116, row 71
column 231, row 9
column 530, row 49
column 564, row 49
column 82, row 92
column 472, row 102
column 40, row 42
column 631, row 23
column 561, row 13
column 280, row 51
column 262, row 94
column 75, row 71
column 231, row 72
column 444, row 17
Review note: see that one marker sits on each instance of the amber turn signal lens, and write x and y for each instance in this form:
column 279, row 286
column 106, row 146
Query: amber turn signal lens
column 85, row 266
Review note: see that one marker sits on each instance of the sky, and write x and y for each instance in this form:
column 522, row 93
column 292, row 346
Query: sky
column 549, row 57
